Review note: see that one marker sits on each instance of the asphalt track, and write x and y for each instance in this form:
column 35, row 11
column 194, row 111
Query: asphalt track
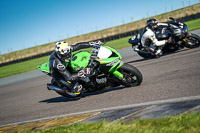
column 174, row 75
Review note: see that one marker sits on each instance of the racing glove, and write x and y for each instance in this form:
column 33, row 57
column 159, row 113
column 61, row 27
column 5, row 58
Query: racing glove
column 84, row 72
column 95, row 43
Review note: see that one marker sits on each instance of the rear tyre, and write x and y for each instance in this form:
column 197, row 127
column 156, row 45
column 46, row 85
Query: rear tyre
column 193, row 41
column 133, row 77
column 143, row 55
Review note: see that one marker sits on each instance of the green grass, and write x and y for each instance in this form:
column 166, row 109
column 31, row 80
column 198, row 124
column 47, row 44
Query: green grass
column 193, row 24
column 184, row 123
column 22, row 66
column 32, row 64
column 119, row 43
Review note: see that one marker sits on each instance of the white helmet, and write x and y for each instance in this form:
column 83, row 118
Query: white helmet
column 63, row 51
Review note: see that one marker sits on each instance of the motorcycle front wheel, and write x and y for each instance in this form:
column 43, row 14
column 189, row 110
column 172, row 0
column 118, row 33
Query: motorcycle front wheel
column 192, row 41
column 132, row 76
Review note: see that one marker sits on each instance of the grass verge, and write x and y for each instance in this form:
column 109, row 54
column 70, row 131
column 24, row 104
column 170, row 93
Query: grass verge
column 46, row 124
column 183, row 123
column 22, row 66
column 193, row 24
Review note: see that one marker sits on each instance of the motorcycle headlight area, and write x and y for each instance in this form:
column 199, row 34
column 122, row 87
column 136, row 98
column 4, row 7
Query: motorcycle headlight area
column 185, row 30
column 134, row 37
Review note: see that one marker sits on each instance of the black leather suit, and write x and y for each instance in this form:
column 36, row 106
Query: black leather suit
column 60, row 69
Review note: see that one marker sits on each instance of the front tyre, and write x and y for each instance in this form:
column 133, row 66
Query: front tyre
column 132, row 76
column 192, row 41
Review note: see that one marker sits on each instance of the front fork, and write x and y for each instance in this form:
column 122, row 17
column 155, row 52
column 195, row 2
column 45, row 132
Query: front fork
column 187, row 41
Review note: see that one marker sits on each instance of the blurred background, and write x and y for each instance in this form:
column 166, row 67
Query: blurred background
column 31, row 27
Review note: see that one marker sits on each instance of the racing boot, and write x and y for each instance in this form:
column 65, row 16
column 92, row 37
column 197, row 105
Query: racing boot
column 72, row 87
column 76, row 88
column 152, row 50
column 155, row 50
column 158, row 53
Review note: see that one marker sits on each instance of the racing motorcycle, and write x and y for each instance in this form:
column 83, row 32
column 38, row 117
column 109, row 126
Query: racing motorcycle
column 107, row 69
column 175, row 30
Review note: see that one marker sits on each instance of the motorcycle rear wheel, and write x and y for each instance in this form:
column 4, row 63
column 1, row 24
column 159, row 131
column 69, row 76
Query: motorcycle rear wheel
column 132, row 75
column 144, row 55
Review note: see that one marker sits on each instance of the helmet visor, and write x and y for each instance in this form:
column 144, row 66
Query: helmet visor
column 65, row 56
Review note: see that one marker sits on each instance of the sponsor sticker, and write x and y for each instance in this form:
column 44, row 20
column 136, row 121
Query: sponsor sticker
column 60, row 66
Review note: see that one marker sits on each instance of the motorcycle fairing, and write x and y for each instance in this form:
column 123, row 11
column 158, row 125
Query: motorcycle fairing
column 110, row 61
column 104, row 53
column 80, row 60
column 114, row 62
column 44, row 68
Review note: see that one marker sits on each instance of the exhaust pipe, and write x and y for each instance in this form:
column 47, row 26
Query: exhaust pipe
column 58, row 89
column 54, row 88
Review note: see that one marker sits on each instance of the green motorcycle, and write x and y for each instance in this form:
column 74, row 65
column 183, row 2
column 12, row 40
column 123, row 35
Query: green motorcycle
column 107, row 67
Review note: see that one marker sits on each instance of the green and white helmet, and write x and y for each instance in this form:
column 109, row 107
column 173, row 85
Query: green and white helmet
column 63, row 51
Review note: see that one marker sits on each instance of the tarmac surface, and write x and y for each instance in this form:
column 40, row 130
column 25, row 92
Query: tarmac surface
column 149, row 111
column 24, row 97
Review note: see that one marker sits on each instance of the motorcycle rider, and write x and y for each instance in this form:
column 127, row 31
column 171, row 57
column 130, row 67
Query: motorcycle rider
column 149, row 38
column 59, row 65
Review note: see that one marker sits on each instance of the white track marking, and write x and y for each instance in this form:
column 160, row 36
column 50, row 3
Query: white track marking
column 110, row 108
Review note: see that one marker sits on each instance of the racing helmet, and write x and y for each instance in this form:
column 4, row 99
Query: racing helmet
column 63, row 51
column 151, row 23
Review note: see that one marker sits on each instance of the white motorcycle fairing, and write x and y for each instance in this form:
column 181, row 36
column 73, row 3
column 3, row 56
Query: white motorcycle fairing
column 104, row 53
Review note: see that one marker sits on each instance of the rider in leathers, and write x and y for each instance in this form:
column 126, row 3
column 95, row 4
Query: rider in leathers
column 150, row 37
column 59, row 65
